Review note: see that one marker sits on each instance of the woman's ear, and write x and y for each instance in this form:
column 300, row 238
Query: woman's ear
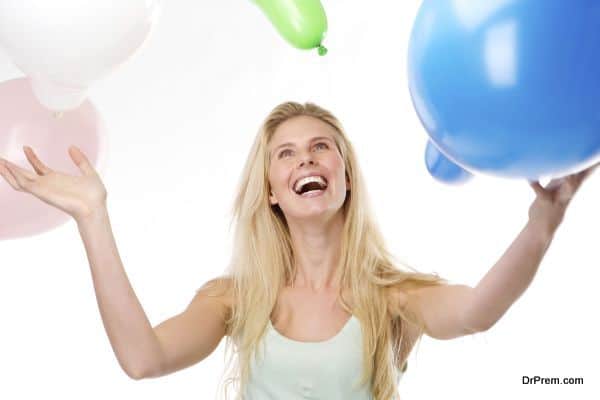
column 272, row 198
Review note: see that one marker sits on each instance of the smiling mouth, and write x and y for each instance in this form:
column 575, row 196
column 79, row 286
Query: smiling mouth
column 312, row 193
column 312, row 187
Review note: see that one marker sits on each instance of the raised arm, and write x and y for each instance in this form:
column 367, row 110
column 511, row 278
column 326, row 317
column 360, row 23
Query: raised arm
column 450, row 311
column 130, row 334
column 142, row 351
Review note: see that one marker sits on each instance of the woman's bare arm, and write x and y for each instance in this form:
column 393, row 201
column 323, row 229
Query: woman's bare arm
column 193, row 335
column 143, row 351
column 450, row 311
column 132, row 338
column 140, row 350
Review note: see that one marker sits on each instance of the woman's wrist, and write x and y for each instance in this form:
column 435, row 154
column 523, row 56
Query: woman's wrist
column 543, row 227
column 97, row 214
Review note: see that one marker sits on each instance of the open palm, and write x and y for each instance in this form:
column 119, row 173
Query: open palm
column 78, row 196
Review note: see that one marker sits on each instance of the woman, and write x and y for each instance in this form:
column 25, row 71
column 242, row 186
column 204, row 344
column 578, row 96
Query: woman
column 312, row 301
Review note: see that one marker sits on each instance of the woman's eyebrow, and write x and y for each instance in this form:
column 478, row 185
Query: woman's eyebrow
column 292, row 144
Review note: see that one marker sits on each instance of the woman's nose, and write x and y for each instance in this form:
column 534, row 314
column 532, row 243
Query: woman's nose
column 306, row 160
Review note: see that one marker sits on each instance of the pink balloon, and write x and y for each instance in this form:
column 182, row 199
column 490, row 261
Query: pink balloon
column 24, row 121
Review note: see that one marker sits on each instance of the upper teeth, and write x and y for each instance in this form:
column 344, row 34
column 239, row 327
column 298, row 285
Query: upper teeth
column 304, row 181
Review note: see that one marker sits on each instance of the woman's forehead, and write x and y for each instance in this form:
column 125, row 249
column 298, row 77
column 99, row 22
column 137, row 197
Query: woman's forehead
column 300, row 129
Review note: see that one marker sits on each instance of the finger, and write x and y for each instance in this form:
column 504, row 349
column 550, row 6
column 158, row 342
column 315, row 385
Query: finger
column 18, row 171
column 81, row 161
column 38, row 166
column 21, row 179
column 8, row 176
column 539, row 190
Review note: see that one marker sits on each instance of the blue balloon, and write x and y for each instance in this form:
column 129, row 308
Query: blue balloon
column 509, row 87
column 442, row 168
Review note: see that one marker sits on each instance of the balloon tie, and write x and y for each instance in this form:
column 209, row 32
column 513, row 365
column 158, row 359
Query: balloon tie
column 322, row 50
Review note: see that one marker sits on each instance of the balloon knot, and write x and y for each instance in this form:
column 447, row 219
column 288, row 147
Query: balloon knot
column 322, row 50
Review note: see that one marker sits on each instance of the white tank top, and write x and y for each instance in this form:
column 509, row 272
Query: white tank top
column 293, row 370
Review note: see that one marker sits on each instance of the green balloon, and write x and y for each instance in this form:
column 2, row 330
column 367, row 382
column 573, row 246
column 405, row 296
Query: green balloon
column 302, row 23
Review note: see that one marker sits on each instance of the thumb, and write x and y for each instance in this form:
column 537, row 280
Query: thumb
column 539, row 189
column 81, row 160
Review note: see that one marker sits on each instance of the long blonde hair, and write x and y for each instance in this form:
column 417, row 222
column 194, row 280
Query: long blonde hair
column 263, row 263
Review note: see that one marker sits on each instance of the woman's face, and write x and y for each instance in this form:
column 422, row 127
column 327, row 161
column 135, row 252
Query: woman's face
column 303, row 147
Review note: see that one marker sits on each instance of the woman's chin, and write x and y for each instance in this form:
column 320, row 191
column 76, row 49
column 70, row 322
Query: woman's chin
column 313, row 212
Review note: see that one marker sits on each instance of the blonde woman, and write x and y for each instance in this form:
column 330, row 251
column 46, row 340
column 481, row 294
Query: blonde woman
column 312, row 303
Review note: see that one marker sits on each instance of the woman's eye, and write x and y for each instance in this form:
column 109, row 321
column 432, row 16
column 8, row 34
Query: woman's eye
column 284, row 152
column 322, row 143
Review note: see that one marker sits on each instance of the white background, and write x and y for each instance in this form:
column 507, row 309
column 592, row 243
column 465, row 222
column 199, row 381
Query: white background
column 182, row 114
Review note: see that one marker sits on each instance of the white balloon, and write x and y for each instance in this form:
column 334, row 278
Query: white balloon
column 65, row 45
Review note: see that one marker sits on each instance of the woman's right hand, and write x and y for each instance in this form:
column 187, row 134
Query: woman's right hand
column 78, row 196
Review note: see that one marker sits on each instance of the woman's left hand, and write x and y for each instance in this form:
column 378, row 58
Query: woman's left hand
column 550, row 204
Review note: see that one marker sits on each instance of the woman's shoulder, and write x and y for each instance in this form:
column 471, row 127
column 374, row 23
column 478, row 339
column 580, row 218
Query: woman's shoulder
column 221, row 288
column 397, row 297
